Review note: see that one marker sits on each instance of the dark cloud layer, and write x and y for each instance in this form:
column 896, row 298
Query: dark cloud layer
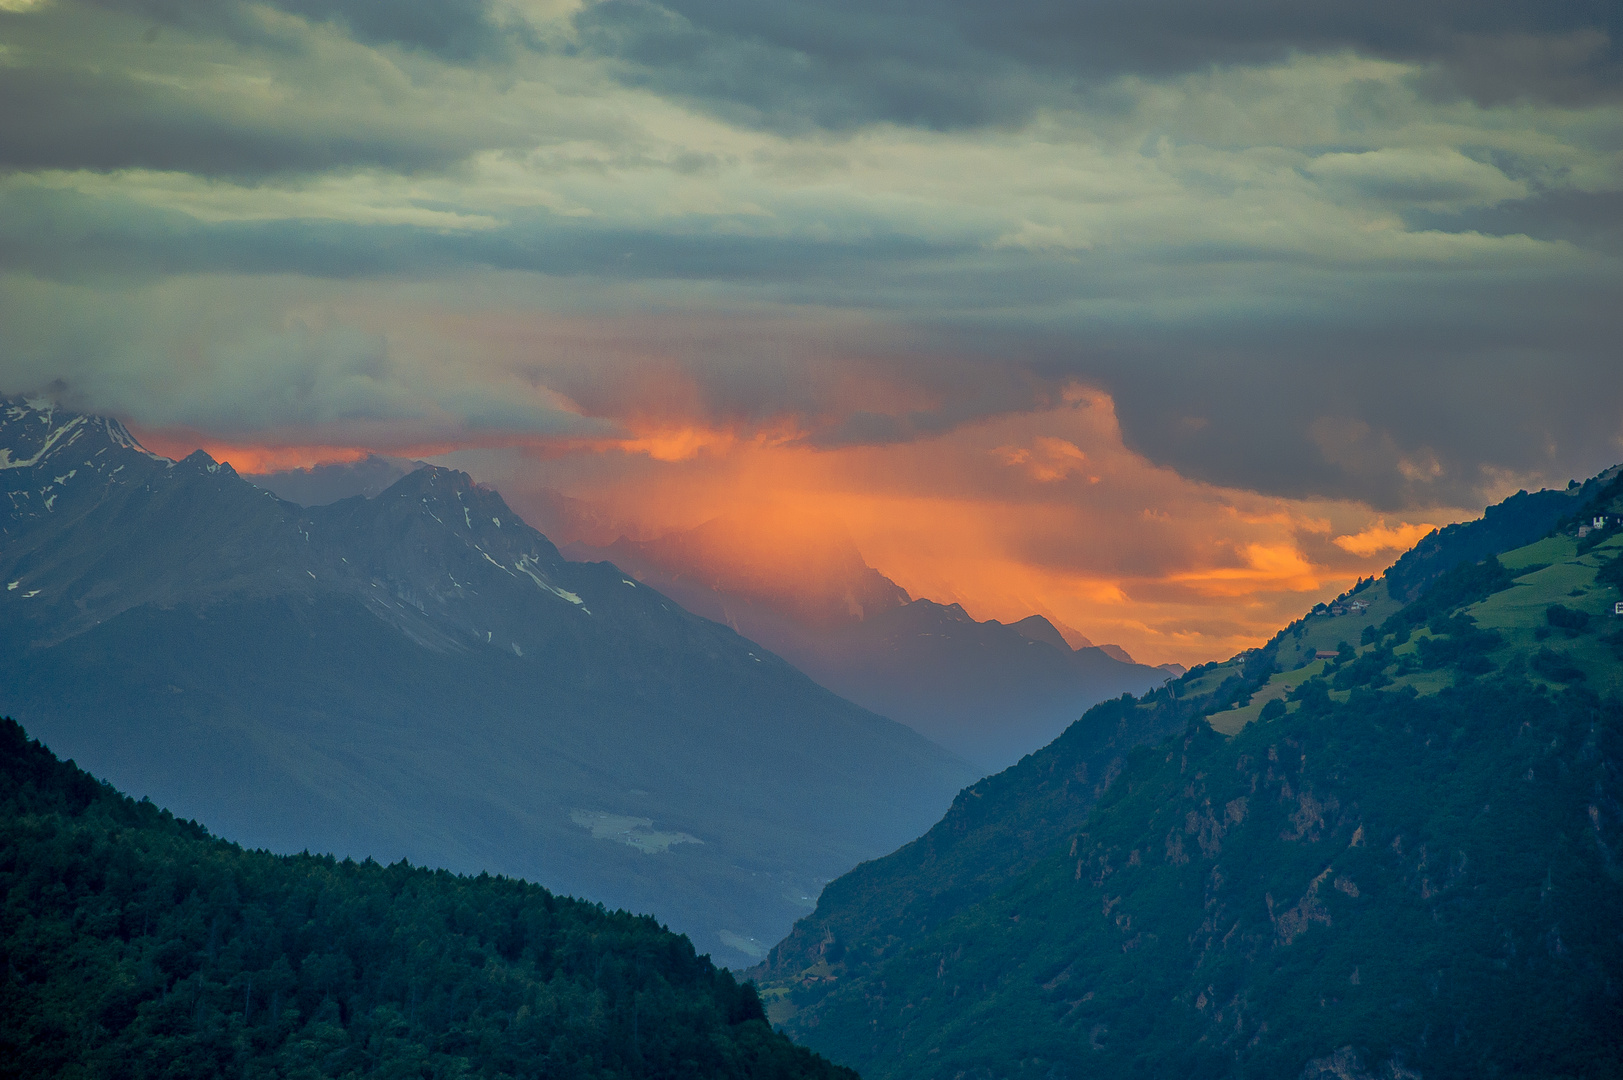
column 105, row 120
column 1592, row 220
column 1408, row 427
column 798, row 67
column 1412, row 390
column 458, row 30
column 112, row 238
column 105, row 85
column 1286, row 285
column 794, row 64
column 452, row 29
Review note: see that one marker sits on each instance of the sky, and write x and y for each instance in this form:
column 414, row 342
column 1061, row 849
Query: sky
column 1165, row 319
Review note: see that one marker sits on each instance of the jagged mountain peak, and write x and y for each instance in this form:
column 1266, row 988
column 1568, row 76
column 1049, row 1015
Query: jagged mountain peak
column 202, row 461
column 36, row 434
column 433, row 478
column 461, row 510
column 1037, row 628
column 56, row 462
column 436, row 484
column 987, row 691
column 442, row 558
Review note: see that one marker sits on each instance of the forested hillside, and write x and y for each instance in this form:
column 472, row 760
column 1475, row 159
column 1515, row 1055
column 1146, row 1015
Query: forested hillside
column 1405, row 860
column 996, row 830
column 137, row 945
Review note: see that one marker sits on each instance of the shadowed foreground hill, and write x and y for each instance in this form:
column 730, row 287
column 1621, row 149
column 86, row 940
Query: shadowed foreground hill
column 138, row 945
column 1406, row 861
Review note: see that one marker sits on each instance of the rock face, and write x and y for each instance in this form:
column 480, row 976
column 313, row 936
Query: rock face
column 422, row 675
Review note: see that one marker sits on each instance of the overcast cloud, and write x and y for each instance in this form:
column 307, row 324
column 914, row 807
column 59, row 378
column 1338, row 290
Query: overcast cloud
column 792, row 65
column 1309, row 250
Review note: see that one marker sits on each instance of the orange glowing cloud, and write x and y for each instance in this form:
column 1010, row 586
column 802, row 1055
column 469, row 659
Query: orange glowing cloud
column 1278, row 566
column 1383, row 537
column 1043, row 511
column 1048, row 459
column 673, row 443
column 248, row 457
column 1039, row 510
column 289, row 451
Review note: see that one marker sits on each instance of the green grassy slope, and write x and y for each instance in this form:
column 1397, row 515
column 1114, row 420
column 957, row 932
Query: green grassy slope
column 1520, row 519
column 136, row 945
column 1407, row 857
column 1549, row 572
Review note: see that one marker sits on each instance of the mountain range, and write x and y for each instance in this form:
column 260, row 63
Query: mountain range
column 1388, row 843
column 422, row 675
column 990, row 692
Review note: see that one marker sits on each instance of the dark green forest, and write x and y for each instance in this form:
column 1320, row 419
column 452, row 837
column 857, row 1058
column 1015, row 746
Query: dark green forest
column 1434, row 882
column 137, row 945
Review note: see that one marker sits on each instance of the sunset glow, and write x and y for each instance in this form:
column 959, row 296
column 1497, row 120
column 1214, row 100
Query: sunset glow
column 758, row 482
column 1040, row 512
column 248, row 459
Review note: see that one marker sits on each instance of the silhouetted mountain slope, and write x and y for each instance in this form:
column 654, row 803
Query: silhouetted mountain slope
column 1400, row 862
column 136, row 945
column 422, row 675
column 818, row 579
column 989, row 692
column 1037, row 628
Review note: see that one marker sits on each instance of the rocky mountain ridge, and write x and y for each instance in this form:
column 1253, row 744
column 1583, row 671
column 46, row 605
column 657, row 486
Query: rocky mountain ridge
column 977, row 687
